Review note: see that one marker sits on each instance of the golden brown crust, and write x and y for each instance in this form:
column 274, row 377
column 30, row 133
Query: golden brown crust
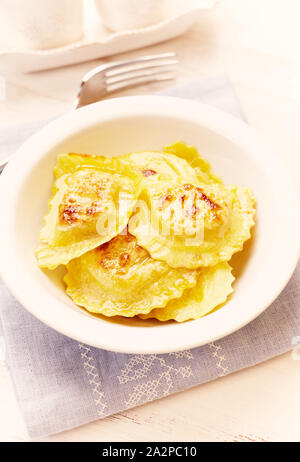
column 74, row 207
column 148, row 172
column 119, row 254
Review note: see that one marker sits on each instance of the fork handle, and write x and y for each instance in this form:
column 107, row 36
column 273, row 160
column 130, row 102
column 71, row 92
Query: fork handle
column 2, row 166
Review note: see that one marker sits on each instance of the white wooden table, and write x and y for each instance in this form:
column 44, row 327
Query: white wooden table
column 256, row 42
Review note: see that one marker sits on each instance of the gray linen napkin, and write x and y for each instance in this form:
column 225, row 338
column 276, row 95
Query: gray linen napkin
column 61, row 383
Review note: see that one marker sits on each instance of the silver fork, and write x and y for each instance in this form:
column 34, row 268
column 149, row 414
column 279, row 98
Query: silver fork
column 111, row 77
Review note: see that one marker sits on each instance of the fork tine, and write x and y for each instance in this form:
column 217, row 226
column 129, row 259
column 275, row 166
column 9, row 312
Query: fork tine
column 140, row 72
column 119, row 70
column 117, row 65
column 135, row 81
column 142, row 60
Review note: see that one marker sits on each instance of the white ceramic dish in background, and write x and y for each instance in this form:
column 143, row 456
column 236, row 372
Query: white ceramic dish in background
column 98, row 42
column 131, row 14
column 143, row 123
column 36, row 24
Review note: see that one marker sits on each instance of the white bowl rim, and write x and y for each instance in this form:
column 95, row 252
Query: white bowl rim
column 182, row 336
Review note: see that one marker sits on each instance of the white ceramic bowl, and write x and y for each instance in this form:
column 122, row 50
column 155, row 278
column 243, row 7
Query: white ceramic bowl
column 135, row 124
